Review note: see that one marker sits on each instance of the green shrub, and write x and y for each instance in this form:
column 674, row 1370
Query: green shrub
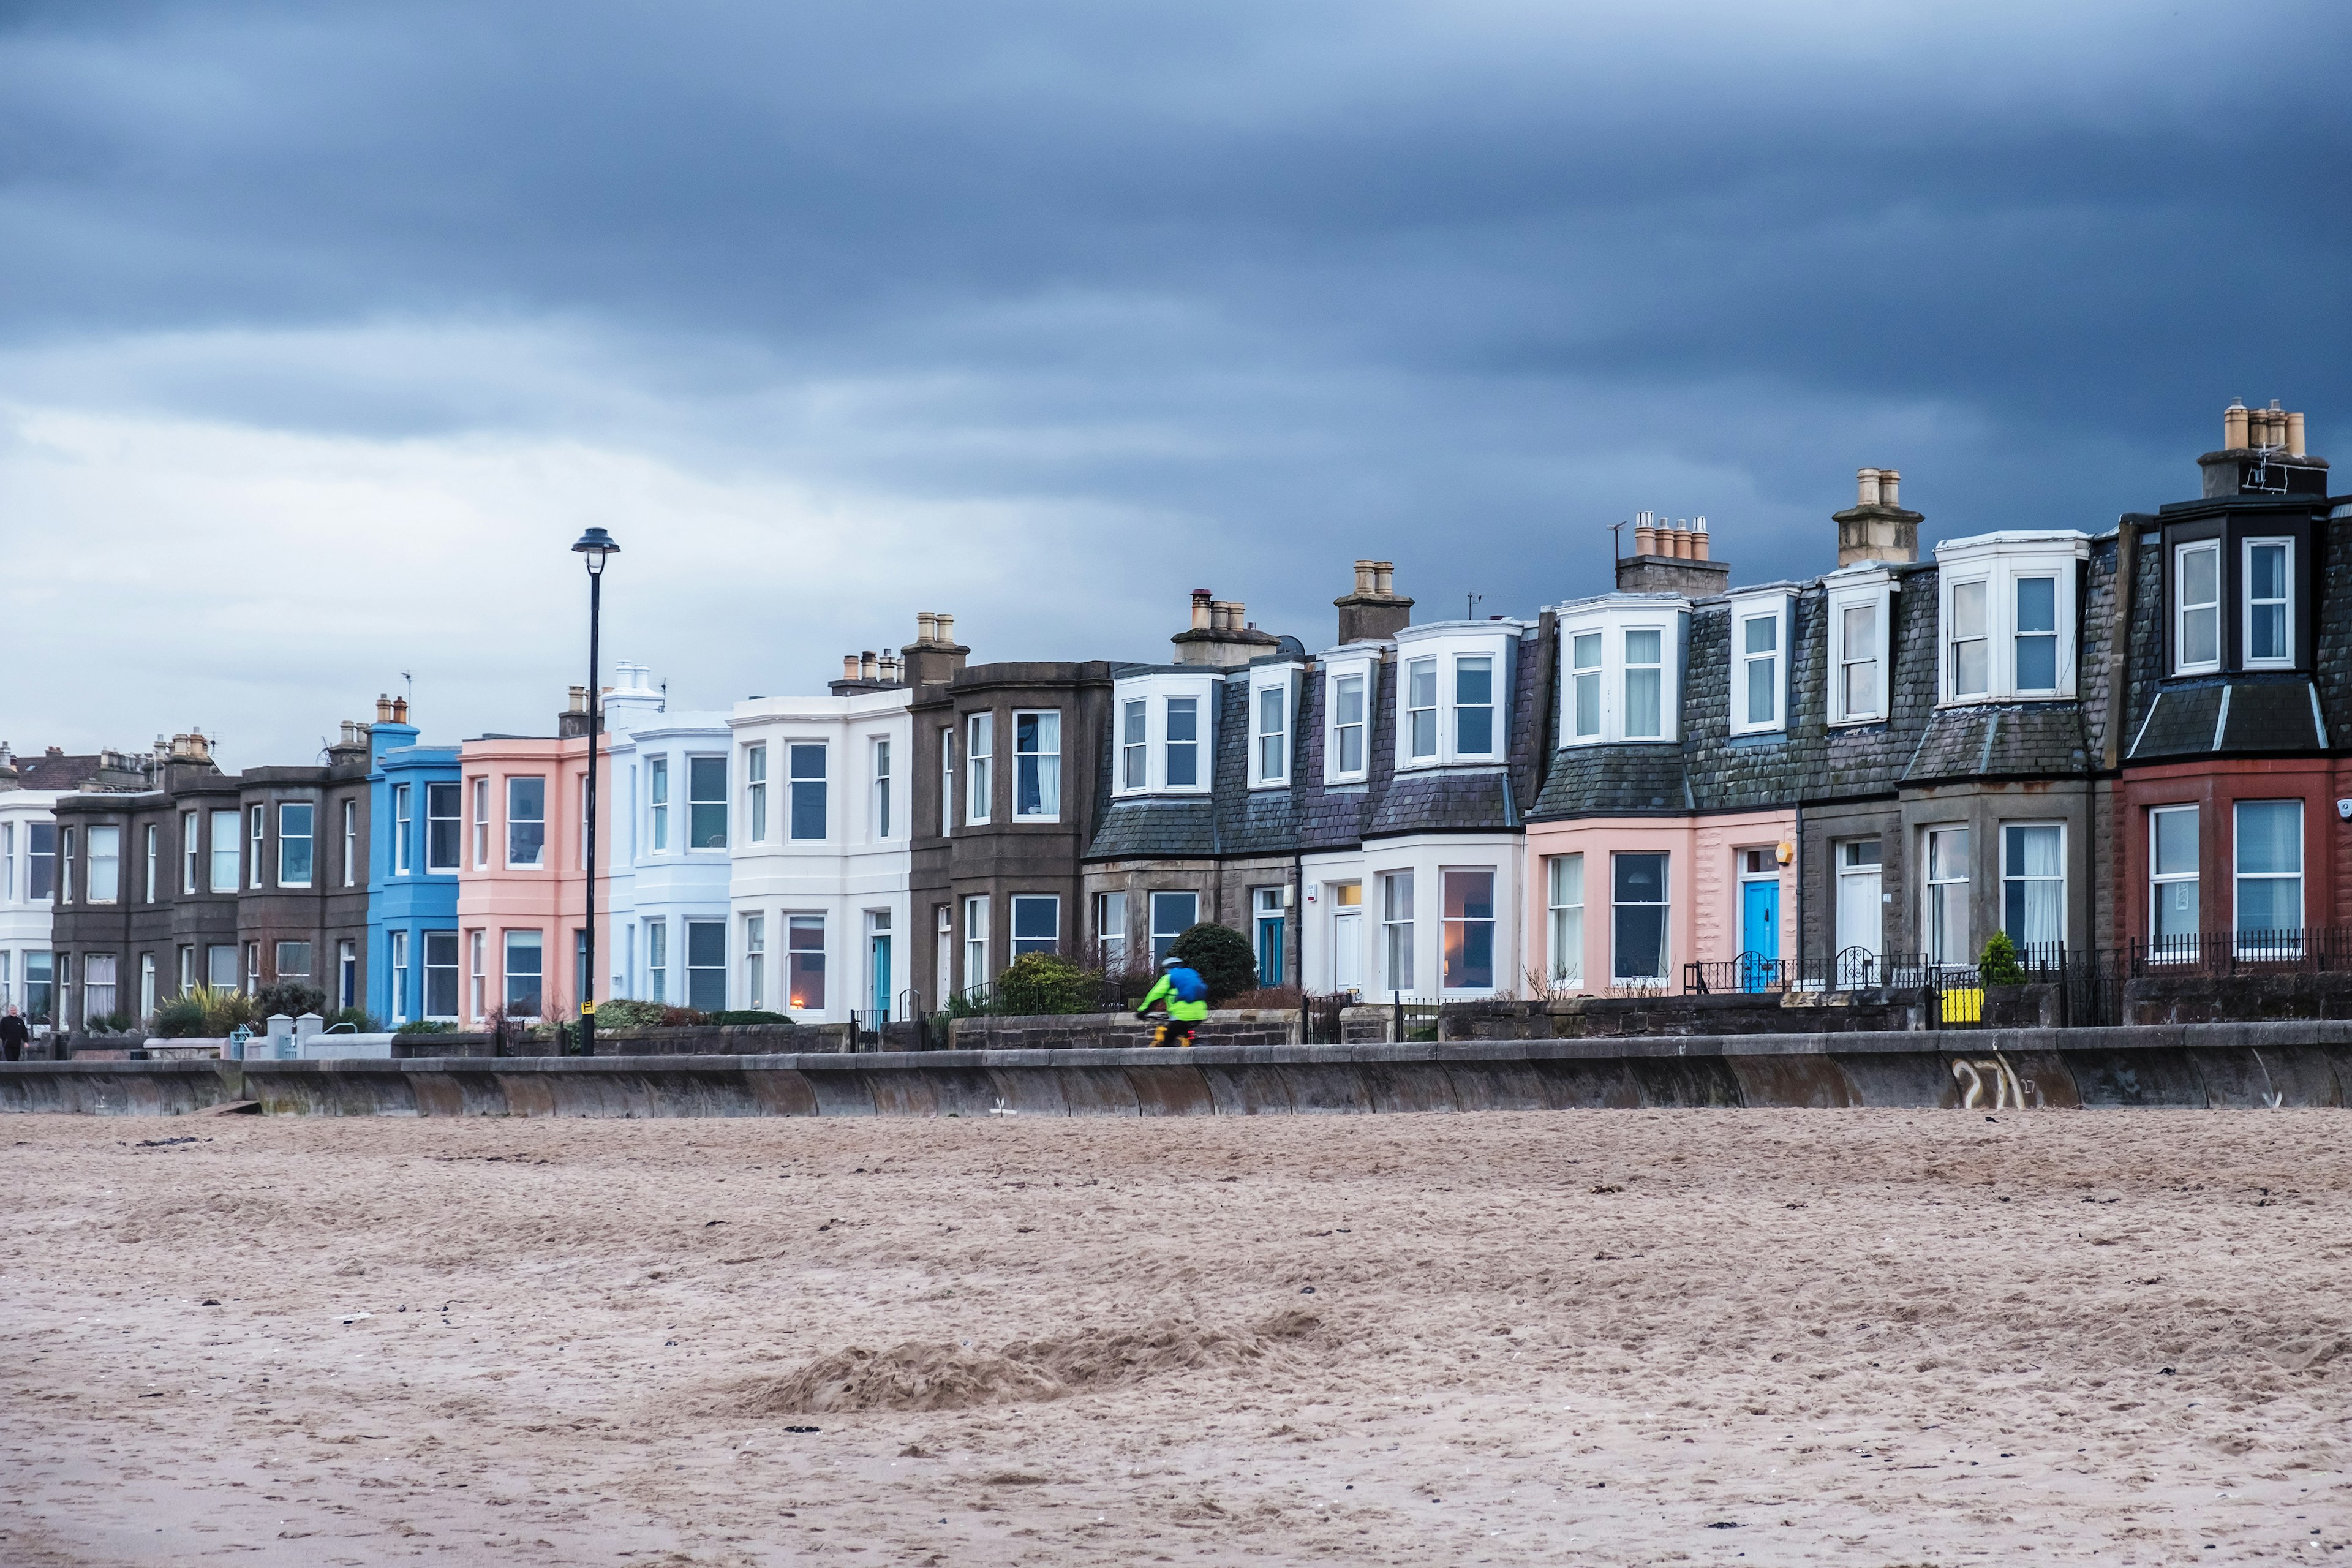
column 291, row 998
column 1223, row 958
column 742, row 1015
column 424, row 1027
column 1999, row 964
column 203, row 1011
column 1044, row 983
column 113, row 1023
column 180, row 1015
column 626, row 1014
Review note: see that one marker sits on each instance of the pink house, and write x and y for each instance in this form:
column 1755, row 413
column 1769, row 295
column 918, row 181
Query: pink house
column 522, row 884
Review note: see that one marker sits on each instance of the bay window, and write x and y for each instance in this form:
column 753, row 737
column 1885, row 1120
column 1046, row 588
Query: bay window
column 2174, row 915
column 1621, row 658
column 2270, row 618
column 2007, row 619
column 806, row 762
column 2197, row 608
column 1164, row 723
column 706, row 965
column 294, row 825
column 2033, row 885
column 706, row 804
column 1947, row 896
column 441, row 972
column 526, row 825
column 805, row 963
column 1396, row 931
column 524, row 973
column 441, row 829
column 1037, row 765
column 980, row 752
column 1564, row 906
column 2268, row 836
column 1638, row 914
column 1172, row 914
column 1420, row 708
column 1469, row 930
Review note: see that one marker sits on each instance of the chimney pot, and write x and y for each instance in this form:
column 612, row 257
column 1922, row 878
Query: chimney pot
column 578, row 699
column 2294, row 436
column 1202, row 616
column 1384, row 578
column 849, row 667
column 947, row 628
column 383, row 706
column 1890, row 487
column 927, row 627
column 400, row 710
column 1646, row 538
column 1367, row 576
column 2234, row 426
column 868, row 668
column 1865, row 484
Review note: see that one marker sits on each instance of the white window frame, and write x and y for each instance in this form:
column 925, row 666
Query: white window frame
column 2182, row 608
column 1152, row 916
column 477, row 980
column 191, row 854
column 456, row 858
column 947, row 783
column 1772, row 607
column 1048, row 764
column 113, row 885
column 2247, row 602
column 2009, row 874
column 657, row 965
column 977, row 963
column 2162, row 949
column 2000, row 561
column 755, row 960
column 480, row 792
column 1014, row 904
column 979, row 769
column 1663, row 904
column 350, row 842
column 1399, row 936
column 1611, row 615
column 795, row 780
column 426, row 969
column 657, row 804
column 755, row 792
column 1564, row 901
column 232, row 820
column 148, row 842
column 1444, row 645
column 1155, row 692
column 285, row 808
column 1339, row 668
column 2239, row 877
column 397, row 963
column 1872, row 590
column 258, row 848
column 539, row 864
column 507, row 972
column 1274, row 687
column 878, row 751
column 1134, row 745
column 1419, row 689
column 404, row 829
column 1110, row 930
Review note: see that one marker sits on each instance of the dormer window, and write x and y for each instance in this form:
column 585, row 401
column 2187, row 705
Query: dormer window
column 1860, row 603
column 1348, row 680
column 1453, row 679
column 1623, row 668
column 2270, row 622
column 1271, row 703
column 1164, row 723
column 2231, row 596
column 2196, row 631
column 2008, row 615
column 1760, row 644
column 1420, row 708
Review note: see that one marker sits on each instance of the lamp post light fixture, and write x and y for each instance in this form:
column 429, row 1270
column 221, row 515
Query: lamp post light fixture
column 594, row 549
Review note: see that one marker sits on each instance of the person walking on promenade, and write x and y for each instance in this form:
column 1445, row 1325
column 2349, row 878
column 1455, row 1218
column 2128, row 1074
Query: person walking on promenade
column 13, row 1036
column 1186, row 995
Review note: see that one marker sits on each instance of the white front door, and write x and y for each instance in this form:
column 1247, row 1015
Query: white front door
column 1348, row 953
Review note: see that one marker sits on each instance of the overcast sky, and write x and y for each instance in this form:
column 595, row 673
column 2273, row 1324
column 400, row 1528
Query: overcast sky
column 325, row 329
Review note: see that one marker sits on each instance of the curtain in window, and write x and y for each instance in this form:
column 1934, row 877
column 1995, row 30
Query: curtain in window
column 2036, row 912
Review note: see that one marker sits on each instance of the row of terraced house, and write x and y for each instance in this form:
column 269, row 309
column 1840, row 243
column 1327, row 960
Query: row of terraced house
column 2125, row 738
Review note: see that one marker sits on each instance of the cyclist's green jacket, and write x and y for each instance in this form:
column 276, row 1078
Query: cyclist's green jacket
column 1179, row 1009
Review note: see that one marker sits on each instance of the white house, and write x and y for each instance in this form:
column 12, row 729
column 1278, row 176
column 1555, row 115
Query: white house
column 822, row 857
column 674, row 814
column 28, row 869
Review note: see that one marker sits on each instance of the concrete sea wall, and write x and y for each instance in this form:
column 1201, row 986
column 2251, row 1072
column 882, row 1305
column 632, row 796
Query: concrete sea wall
column 2306, row 1063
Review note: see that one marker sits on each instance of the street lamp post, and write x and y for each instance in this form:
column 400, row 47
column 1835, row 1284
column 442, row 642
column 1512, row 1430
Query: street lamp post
column 594, row 549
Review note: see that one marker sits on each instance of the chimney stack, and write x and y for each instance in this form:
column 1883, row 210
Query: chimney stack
column 382, row 708
column 2264, row 451
column 933, row 658
column 1878, row 527
column 1375, row 612
column 1219, row 634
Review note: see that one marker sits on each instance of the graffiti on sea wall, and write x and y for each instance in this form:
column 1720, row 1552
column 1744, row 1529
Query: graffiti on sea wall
column 1990, row 1083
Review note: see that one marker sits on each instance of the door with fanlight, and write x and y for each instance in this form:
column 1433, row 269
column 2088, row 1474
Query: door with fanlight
column 1348, row 937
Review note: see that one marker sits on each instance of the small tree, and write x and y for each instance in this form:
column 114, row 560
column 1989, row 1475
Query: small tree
column 291, row 998
column 1043, row 983
column 1997, row 964
column 1223, row 958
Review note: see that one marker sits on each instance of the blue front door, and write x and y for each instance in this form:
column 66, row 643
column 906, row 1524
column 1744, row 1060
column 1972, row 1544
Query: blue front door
column 881, row 965
column 1759, row 932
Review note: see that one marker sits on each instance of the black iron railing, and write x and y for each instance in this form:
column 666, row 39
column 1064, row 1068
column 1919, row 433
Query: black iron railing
column 2315, row 949
column 1856, row 969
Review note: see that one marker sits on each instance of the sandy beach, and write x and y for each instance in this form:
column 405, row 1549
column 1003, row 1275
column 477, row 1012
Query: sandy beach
column 1757, row 1337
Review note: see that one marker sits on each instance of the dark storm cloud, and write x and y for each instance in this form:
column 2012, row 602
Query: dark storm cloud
column 1458, row 285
